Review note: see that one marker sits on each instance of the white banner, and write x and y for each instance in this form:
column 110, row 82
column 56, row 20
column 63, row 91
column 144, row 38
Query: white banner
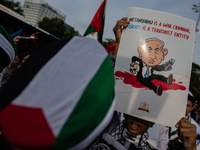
column 153, row 66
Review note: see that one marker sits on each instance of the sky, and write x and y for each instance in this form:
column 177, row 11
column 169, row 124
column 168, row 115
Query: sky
column 79, row 13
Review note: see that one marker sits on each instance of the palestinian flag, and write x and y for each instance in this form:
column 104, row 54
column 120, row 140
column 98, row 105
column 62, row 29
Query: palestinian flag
column 62, row 97
column 110, row 48
column 34, row 35
column 95, row 29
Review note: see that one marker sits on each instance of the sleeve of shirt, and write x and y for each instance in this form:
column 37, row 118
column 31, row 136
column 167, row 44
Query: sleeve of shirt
column 195, row 123
column 112, row 58
column 163, row 138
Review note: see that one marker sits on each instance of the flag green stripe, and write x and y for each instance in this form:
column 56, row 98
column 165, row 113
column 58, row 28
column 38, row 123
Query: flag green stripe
column 173, row 133
column 86, row 116
column 90, row 30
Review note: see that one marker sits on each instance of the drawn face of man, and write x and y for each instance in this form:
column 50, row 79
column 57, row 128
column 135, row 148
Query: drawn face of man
column 152, row 53
column 137, row 126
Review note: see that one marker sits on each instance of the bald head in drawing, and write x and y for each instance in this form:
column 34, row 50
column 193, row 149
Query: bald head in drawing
column 152, row 52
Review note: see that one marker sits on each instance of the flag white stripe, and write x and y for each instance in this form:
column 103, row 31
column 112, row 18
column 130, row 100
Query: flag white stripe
column 50, row 88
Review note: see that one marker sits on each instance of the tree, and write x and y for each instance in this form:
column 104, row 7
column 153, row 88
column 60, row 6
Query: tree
column 72, row 32
column 108, row 42
column 56, row 27
column 15, row 6
column 195, row 81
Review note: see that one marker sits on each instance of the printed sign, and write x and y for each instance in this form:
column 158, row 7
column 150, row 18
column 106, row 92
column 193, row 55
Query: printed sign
column 153, row 65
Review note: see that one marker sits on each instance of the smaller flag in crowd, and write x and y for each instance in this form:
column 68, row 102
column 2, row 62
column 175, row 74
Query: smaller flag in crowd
column 110, row 48
column 33, row 36
column 96, row 26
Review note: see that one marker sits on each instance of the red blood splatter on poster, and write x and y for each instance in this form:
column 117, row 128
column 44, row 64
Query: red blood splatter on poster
column 131, row 79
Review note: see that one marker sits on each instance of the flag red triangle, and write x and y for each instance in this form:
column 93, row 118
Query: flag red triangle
column 96, row 22
column 110, row 48
column 34, row 35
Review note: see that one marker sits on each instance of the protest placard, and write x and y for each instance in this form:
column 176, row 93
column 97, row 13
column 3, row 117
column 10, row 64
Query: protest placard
column 153, row 65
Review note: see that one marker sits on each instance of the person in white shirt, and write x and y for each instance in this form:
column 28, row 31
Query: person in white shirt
column 189, row 108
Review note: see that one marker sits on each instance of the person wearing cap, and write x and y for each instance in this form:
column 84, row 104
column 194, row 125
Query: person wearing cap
column 8, row 50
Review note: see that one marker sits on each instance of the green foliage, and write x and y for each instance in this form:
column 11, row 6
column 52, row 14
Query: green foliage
column 72, row 32
column 56, row 27
column 108, row 42
column 195, row 81
column 15, row 6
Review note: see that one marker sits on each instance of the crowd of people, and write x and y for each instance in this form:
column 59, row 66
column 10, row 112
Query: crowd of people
column 119, row 131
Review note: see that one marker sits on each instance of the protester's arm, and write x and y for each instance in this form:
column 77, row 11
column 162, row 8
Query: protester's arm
column 17, row 39
column 118, row 32
column 187, row 134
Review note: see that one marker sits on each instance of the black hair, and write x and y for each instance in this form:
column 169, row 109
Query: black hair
column 190, row 98
column 4, row 58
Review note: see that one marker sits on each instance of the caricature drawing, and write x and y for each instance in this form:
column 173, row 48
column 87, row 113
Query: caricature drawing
column 151, row 54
